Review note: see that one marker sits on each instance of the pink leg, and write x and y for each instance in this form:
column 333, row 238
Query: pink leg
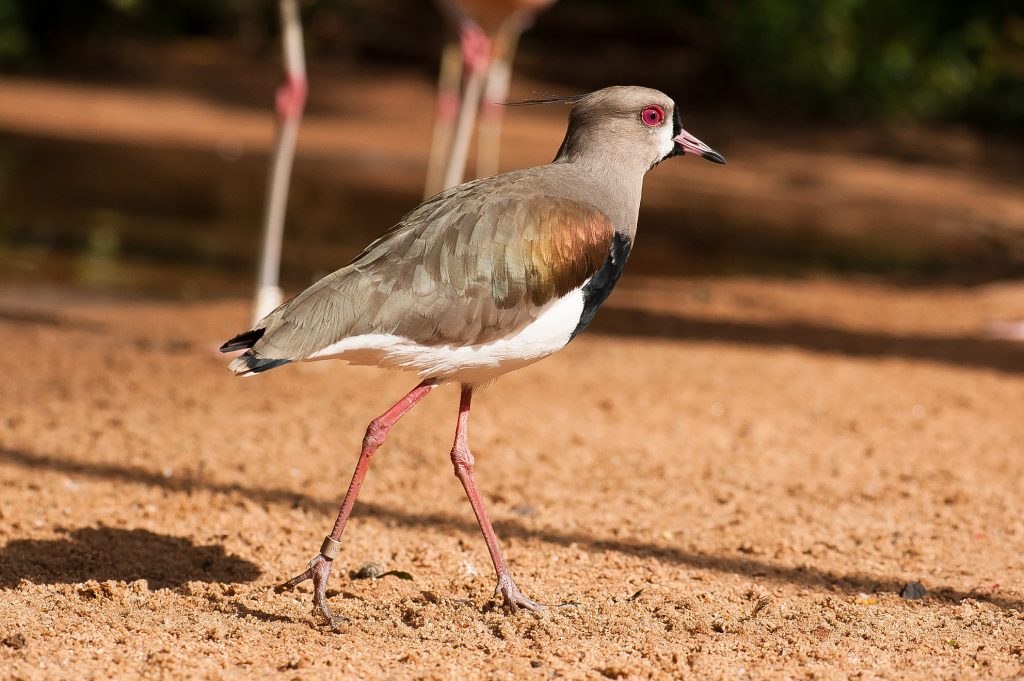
column 1006, row 330
column 462, row 458
column 476, row 47
column 319, row 569
column 290, row 98
column 476, row 55
column 449, row 82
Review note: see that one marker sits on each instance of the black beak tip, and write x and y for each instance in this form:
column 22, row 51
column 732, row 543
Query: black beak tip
column 714, row 157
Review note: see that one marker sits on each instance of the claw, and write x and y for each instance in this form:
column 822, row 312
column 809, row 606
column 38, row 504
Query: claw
column 319, row 570
column 513, row 598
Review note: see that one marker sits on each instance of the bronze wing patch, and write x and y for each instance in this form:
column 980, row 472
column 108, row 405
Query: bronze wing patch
column 498, row 267
column 572, row 241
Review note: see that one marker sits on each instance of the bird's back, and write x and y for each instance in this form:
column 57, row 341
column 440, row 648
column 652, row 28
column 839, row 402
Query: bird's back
column 476, row 263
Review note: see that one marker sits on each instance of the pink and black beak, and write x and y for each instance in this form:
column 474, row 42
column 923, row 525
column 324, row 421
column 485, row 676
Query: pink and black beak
column 688, row 144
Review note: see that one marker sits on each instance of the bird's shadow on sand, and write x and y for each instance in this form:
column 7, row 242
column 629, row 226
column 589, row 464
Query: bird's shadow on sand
column 210, row 563
column 106, row 553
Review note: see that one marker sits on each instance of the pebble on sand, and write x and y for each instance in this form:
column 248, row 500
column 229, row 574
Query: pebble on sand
column 913, row 591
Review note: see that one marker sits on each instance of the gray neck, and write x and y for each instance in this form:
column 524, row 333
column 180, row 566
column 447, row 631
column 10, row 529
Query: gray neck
column 612, row 185
column 605, row 153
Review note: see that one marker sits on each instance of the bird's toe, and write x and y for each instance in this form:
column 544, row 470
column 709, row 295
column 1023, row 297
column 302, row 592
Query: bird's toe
column 514, row 599
column 318, row 570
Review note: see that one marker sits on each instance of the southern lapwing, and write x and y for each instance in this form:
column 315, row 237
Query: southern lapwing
column 482, row 279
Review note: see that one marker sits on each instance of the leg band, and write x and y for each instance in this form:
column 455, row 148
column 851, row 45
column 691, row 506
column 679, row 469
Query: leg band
column 330, row 548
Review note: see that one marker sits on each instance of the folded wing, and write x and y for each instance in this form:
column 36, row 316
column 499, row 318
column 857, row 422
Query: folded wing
column 456, row 271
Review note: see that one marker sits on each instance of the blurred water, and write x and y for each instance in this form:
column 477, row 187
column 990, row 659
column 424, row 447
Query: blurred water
column 184, row 223
column 150, row 221
column 166, row 222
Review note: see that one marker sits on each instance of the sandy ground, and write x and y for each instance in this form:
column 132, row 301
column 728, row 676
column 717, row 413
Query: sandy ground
column 724, row 477
column 727, row 478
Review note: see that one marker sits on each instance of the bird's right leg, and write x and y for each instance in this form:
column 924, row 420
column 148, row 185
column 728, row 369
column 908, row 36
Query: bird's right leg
column 462, row 459
column 319, row 569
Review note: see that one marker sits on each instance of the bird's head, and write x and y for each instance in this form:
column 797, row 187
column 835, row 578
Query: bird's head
column 631, row 124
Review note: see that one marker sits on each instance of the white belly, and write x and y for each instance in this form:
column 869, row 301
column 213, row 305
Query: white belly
column 466, row 364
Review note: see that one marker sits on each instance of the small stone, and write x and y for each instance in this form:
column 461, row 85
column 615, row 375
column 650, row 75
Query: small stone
column 367, row 571
column 913, row 591
column 413, row 618
column 15, row 641
column 535, row 664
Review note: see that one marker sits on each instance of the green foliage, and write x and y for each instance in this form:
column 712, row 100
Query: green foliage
column 13, row 40
column 911, row 58
column 921, row 59
column 45, row 31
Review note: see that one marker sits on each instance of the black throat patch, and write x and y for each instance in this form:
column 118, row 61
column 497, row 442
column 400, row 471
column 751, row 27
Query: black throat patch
column 600, row 286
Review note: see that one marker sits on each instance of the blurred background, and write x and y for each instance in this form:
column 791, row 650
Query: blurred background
column 864, row 136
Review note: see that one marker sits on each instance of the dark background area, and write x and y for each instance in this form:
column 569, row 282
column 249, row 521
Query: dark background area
column 842, row 59
column 864, row 136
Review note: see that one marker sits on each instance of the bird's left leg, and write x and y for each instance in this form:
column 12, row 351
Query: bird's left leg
column 462, row 459
column 319, row 569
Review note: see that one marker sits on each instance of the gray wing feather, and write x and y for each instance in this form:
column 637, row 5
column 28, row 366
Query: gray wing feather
column 464, row 268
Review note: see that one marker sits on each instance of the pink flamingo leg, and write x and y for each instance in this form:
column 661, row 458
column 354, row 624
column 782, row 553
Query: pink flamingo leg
column 290, row 100
column 1006, row 330
column 476, row 54
column 448, row 86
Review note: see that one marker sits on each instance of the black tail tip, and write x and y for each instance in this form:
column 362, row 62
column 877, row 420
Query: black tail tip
column 248, row 363
column 258, row 366
column 243, row 341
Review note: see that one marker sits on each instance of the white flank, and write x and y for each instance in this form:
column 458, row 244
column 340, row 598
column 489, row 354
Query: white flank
column 466, row 364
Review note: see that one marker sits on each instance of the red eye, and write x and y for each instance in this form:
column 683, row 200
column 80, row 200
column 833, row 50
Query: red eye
column 653, row 115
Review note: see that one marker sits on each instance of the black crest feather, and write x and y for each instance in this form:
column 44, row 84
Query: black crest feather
column 568, row 99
